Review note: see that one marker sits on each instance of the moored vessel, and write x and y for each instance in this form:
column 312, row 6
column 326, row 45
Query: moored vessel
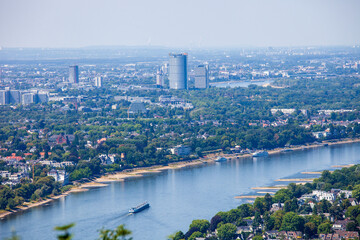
column 220, row 159
column 260, row 154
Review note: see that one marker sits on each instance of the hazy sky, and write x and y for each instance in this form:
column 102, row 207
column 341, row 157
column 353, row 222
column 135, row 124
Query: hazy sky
column 179, row 23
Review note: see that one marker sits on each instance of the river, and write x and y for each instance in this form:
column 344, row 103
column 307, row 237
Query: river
column 176, row 196
column 235, row 84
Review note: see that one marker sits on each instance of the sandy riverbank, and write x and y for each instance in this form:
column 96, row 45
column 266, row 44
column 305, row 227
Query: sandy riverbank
column 141, row 172
column 136, row 173
column 101, row 182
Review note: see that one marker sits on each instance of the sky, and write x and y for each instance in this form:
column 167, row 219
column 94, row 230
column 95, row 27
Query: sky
column 179, row 23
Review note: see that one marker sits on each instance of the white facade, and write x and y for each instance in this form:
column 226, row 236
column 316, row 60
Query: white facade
column 98, row 81
column 180, row 150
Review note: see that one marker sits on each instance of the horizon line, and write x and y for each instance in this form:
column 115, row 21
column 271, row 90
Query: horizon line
column 182, row 47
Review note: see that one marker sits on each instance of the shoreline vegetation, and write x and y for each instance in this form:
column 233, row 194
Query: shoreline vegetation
column 142, row 172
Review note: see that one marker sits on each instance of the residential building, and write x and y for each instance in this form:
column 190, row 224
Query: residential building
column 59, row 176
column 107, row 159
column 61, row 139
column 319, row 195
column 287, row 111
column 321, row 134
column 137, row 107
column 181, row 150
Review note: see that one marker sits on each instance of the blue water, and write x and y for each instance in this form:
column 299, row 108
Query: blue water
column 176, row 197
column 234, row 84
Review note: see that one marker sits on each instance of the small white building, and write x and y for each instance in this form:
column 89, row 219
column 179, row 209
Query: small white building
column 321, row 134
column 5, row 174
column 320, row 195
column 107, row 159
column 59, row 176
column 287, row 111
column 347, row 193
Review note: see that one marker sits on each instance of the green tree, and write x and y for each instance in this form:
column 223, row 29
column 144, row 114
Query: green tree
column 227, row 231
column 202, row 224
column 214, row 222
column 292, row 222
column 278, row 218
column 257, row 237
column 356, row 192
column 268, row 200
column 310, row 229
column 259, row 205
column 65, row 235
column 119, row 233
column 196, row 235
column 177, row 236
column 352, row 226
column 257, row 220
column 324, row 228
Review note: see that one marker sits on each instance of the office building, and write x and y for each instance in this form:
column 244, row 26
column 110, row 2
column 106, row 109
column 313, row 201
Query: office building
column 74, row 74
column 201, row 76
column 98, row 81
column 14, row 97
column 42, row 98
column 4, row 97
column 159, row 79
column 164, row 68
column 8, row 96
column 178, row 71
column 28, row 98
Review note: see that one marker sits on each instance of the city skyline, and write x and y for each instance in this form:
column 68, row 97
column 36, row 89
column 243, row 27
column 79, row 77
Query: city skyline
column 179, row 24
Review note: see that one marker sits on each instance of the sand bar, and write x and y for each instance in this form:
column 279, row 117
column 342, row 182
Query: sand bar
column 295, row 180
column 343, row 166
column 249, row 197
column 269, row 188
column 271, row 193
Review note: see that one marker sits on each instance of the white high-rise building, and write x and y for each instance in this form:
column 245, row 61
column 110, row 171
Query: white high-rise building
column 98, row 81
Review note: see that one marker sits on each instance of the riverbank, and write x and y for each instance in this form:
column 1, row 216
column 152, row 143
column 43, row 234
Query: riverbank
column 28, row 205
column 141, row 172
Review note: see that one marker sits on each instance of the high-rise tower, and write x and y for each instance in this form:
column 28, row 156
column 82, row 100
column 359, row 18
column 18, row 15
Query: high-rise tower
column 178, row 71
column 98, row 81
column 74, row 74
column 201, row 76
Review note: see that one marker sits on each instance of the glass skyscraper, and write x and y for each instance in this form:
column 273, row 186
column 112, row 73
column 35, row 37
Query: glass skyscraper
column 178, row 71
column 74, row 74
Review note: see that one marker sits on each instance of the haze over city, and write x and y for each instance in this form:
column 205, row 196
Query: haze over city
column 201, row 23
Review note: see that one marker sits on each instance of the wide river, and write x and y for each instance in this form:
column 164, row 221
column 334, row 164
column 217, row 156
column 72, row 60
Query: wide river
column 176, row 196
